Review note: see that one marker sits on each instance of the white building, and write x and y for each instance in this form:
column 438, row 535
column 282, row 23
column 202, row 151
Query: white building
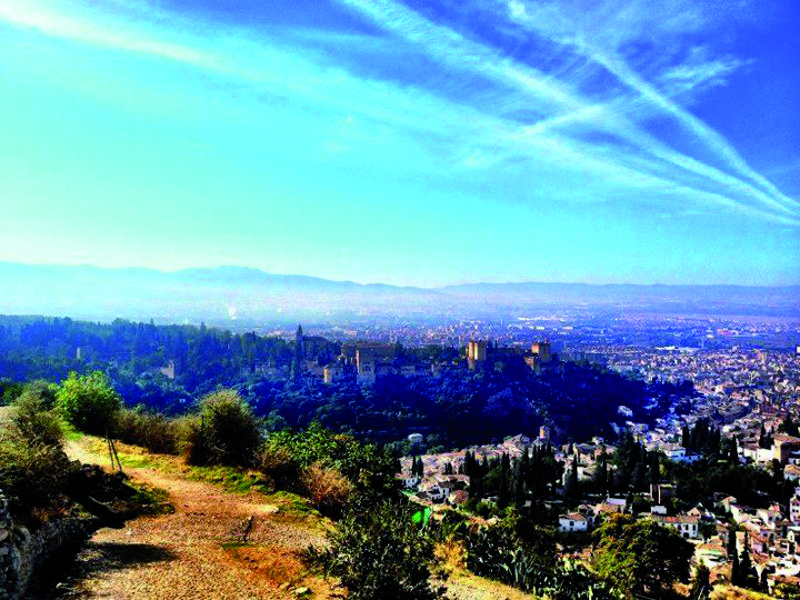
column 410, row 481
column 688, row 527
column 674, row 451
column 794, row 510
column 573, row 522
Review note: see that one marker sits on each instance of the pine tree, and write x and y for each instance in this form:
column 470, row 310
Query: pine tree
column 470, row 465
column 655, row 468
column 731, row 453
column 714, row 442
column 639, row 479
column 789, row 426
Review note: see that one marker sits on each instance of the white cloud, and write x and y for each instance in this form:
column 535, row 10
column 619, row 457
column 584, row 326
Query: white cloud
column 568, row 120
column 627, row 22
column 600, row 36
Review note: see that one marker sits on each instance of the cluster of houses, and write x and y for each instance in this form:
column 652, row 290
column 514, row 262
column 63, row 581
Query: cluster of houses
column 784, row 448
column 452, row 490
column 773, row 541
column 686, row 524
column 442, row 481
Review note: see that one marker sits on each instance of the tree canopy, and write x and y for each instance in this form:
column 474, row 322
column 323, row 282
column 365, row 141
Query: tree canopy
column 641, row 557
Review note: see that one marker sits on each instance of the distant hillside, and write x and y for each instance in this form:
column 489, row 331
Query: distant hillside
column 214, row 294
column 224, row 294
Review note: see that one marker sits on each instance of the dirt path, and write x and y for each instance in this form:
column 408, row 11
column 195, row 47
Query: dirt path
column 196, row 554
column 193, row 553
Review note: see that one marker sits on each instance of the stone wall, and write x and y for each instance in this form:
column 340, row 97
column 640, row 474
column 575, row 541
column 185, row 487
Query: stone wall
column 23, row 551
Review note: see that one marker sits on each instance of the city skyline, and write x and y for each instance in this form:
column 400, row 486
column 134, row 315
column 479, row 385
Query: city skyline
column 408, row 143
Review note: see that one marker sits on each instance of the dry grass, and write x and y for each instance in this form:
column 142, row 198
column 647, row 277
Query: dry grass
column 463, row 585
column 151, row 431
column 452, row 556
column 327, row 488
column 728, row 592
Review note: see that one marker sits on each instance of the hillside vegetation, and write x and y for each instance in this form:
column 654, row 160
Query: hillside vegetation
column 458, row 409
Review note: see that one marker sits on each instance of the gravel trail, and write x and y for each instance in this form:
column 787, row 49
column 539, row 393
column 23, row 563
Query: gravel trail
column 192, row 554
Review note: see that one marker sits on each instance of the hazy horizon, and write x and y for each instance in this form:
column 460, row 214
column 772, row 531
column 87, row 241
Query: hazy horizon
column 251, row 295
column 407, row 142
column 356, row 281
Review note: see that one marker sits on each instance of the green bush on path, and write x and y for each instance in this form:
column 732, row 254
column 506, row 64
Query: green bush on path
column 88, row 402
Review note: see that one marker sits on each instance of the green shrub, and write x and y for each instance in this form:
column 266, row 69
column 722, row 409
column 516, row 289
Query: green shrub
column 225, row 433
column 287, row 454
column 380, row 553
column 45, row 390
column 279, row 465
column 31, row 474
column 640, row 556
column 154, row 432
column 33, row 466
column 524, row 556
column 88, row 402
column 9, row 390
column 193, row 442
column 34, row 422
column 497, row 552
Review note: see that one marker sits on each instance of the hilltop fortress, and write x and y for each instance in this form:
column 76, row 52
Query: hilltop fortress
column 368, row 362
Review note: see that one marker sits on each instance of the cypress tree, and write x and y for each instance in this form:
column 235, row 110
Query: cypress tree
column 571, row 485
column 748, row 576
column 733, row 556
column 702, row 583
column 297, row 359
column 503, row 493
column 601, row 474
column 762, row 438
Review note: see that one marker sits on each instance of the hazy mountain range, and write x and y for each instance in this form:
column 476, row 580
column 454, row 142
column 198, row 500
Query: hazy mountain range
column 245, row 294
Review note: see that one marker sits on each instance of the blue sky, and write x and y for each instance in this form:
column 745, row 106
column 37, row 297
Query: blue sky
column 411, row 142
